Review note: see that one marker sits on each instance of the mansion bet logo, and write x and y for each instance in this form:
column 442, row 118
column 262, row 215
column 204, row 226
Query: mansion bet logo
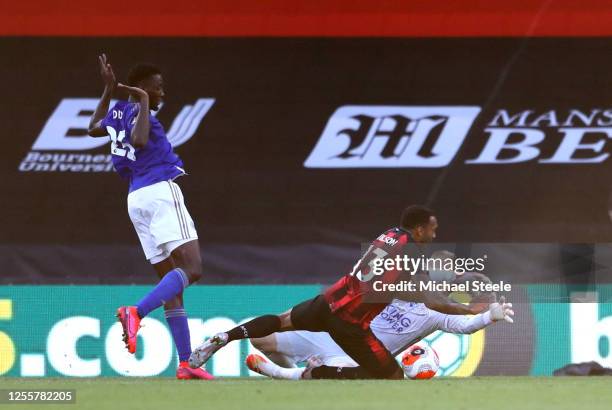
column 392, row 136
column 431, row 136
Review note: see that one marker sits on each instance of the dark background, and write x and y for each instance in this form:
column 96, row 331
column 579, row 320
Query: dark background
column 261, row 216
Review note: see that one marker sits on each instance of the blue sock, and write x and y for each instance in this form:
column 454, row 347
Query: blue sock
column 171, row 285
column 177, row 320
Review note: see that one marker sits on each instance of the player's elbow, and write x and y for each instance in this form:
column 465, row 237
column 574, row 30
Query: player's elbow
column 96, row 132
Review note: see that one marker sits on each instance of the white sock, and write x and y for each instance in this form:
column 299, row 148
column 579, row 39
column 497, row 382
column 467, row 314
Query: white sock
column 277, row 372
column 290, row 374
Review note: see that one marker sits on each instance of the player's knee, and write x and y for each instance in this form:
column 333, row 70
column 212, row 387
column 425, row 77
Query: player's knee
column 265, row 344
column 285, row 320
column 192, row 268
column 194, row 272
column 259, row 344
column 187, row 257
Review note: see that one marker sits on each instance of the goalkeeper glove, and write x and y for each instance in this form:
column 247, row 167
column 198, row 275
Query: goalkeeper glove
column 501, row 311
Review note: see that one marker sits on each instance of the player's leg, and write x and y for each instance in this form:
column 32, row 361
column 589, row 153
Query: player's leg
column 175, row 313
column 375, row 361
column 259, row 327
column 164, row 228
column 128, row 315
column 360, row 344
column 176, row 318
column 276, row 360
column 300, row 346
column 259, row 363
column 186, row 256
column 273, row 350
column 297, row 347
column 173, row 231
column 173, row 281
column 306, row 312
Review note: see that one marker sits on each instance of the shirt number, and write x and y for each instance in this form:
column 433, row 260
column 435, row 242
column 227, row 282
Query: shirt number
column 119, row 146
column 378, row 254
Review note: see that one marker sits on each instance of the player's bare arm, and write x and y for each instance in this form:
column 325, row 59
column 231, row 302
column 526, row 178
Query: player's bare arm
column 95, row 128
column 439, row 301
column 442, row 303
column 140, row 132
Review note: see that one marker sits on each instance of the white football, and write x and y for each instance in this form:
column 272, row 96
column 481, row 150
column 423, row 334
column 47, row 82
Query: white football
column 420, row 361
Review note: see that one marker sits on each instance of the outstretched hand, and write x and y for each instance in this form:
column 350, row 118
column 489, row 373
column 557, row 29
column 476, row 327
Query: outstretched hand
column 106, row 71
column 502, row 311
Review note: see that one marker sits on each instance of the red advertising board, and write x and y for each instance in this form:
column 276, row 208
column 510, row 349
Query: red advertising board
column 309, row 18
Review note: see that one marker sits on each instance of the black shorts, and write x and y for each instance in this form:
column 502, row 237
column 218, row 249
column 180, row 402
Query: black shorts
column 360, row 344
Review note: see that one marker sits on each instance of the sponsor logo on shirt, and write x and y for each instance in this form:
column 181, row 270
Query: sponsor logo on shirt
column 395, row 318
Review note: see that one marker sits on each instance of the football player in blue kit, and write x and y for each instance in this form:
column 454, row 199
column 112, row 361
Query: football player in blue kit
column 142, row 155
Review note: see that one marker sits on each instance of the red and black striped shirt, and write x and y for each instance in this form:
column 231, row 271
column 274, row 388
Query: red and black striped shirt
column 348, row 298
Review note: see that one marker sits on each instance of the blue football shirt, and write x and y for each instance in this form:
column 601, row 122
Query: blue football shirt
column 153, row 163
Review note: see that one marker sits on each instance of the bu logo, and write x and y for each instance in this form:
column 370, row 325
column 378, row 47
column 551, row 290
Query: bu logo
column 392, row 136
column 66, row 129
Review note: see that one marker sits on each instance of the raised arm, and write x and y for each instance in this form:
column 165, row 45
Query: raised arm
column 140, row 131
column 95, row 128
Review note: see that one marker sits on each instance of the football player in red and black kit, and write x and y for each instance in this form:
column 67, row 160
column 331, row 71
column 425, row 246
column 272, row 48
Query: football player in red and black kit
column 346, row 309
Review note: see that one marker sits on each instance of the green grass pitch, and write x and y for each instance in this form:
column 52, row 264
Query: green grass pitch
column 495, row 393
